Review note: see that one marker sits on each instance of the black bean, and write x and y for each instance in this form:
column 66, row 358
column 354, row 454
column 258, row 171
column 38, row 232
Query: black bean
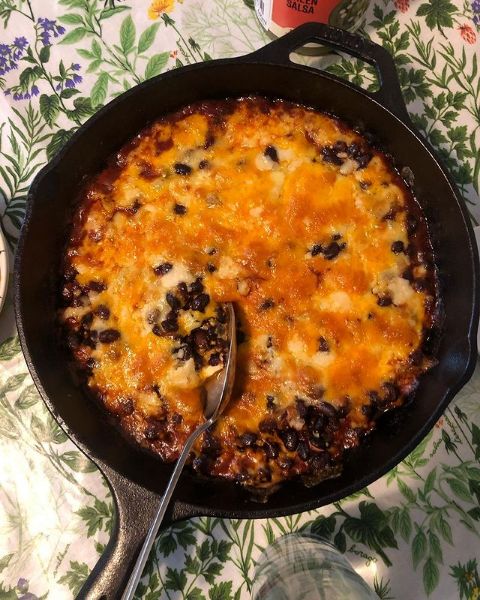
column 200, row 302
column 266, row 304
column 323, row 345
column 420, row 285
column 163, row 269
column 336, row 237
column 391, row 214
column 408, row 274
column 151, row 432
column 333, row 250
column 170, row 325
column 102, row 312
column 340, row 146
column 197, row 286
column 203, row 164
column 329, row 156
column 97, row 286
column 318, row 424
column 211, row 268
column 272, row 153
column 214, row 359
column 211, row 445
column 209, row 140
column 290, row 439
column 271, row 449
column 156, row 330
column 182, row 169
column 303, row 450
column 316, row 249
column 301, row 407
column 398, row 247
column 363, row 160
column 173, row 301
column 177, row 418
column 327, row 409
column 353, row 150
column 70, row 273
column 270, row 402
column 248, row 440
column 73, row 340
column 384, row 300
column 107, row 336
column 87, row 319
column 200, row 338
column 179, row 209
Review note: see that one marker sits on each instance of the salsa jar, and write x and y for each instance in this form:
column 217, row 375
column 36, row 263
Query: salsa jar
column 280, row 16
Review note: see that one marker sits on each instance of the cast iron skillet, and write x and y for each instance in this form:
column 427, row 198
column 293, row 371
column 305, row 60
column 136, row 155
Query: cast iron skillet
column 136, row 478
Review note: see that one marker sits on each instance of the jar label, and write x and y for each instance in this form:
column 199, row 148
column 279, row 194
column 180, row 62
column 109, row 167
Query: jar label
column 291, row 13
column 279, row 16
column 263, row 9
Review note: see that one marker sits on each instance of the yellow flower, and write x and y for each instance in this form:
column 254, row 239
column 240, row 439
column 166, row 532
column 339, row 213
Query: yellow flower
column 157, row 7
column 475, row 593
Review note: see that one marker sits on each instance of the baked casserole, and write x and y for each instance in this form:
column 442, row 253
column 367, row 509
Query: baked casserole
column 304, row 225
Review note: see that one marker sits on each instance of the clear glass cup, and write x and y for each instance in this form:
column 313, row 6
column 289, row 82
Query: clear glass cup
column 303, row 566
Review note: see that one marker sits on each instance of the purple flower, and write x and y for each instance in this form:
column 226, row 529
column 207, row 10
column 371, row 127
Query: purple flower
column 76, row 66
column 476, row 12
column 5, row 50
column 58, row 86
column 20, row 42
column 28, row 596
column 45, row 37
column 49, row 27
column 17, row 96
column 69, row 83
column 34, row 91
column 7, row 92
column 18, row 47
column 77, row 78
column 26, row 96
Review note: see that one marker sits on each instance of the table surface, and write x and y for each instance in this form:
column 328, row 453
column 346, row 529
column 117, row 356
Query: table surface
column 412, row 534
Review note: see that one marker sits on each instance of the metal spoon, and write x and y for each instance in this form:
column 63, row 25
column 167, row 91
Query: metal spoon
column 218, row 390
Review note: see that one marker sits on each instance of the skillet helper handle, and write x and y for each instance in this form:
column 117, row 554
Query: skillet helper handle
column 135, row 509
column 389, row 94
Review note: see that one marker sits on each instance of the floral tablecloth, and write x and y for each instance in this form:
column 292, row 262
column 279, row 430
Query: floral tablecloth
column 414, row 533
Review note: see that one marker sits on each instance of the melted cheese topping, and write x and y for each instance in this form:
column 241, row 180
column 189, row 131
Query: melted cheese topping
column 291, row 216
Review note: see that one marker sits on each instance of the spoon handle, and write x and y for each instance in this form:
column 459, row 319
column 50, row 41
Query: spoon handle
column 152, row 532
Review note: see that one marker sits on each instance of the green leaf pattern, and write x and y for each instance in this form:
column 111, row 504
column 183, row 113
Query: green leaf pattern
column 417, row 526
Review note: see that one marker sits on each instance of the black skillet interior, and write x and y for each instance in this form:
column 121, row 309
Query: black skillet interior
column 268, row 72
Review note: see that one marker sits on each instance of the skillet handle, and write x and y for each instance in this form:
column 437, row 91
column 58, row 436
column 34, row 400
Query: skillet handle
column 389, row 94
column 135, row 509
